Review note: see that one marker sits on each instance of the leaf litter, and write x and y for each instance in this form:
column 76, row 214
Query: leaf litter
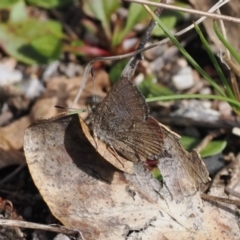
column 89, row 190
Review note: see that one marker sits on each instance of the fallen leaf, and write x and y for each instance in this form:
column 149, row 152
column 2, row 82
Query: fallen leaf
column 11, row 157
column 14, row 132
column 86, row 192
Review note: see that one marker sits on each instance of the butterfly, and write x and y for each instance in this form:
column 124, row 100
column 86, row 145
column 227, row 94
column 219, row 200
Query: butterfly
column 122, row 121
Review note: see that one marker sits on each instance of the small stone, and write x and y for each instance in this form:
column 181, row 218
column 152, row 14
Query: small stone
column 61, row 236
column 183, row 79
column 50, row 70
column 33, row 87
column 225, row 109
column 205, row 91
column 236, row 131
column 9, row 76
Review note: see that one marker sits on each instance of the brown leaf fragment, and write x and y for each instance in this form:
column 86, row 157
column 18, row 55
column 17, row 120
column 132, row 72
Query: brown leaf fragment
column 11, row 157
column 176, row 159
column 14, row 132
column 86, row 192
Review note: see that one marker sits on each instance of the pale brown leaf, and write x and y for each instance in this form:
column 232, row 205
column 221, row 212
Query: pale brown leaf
column 86, row 192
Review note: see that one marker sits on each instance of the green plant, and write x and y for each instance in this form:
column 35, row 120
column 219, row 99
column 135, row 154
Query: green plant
column 114, row 32
column 25, row 38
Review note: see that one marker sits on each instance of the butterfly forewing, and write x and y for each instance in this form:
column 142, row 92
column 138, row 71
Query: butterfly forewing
column 121, row 120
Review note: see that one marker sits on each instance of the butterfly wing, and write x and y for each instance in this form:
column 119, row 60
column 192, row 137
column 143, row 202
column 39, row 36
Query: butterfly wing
column 124, row 99
column 121, row 120
column 144, row 138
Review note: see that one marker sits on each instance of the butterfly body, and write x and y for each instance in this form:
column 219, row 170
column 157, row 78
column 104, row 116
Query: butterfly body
column 121, row 120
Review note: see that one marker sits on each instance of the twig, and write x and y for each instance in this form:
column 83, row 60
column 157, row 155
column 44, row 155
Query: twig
column 220, row 199
column 232, row 192
column 197, row 12
column 30, row 225
column 12, row 174
column 133, row 62
column 114, row 58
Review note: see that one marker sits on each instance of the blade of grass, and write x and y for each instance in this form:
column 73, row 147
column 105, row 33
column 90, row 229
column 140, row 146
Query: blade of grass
column 226, row 43
column 185, row 53
column 193, row 96
column 215, row 63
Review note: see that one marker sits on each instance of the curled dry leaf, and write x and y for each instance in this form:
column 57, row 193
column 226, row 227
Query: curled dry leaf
column 86, row 192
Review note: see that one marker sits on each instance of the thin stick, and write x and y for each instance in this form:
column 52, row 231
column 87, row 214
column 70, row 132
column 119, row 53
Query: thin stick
column 133, row 62
column 220, row 199
column 12, row 174
column 119, row 57
column 197, row 12
column 30, row 225
column 232, row 192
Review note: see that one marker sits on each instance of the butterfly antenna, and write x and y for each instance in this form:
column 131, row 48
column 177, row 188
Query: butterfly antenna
column 72, row 110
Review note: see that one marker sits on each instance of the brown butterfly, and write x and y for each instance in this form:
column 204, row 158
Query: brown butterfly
column 122, row 121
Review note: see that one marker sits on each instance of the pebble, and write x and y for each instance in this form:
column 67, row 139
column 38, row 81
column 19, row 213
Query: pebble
column 61, row 236
column 225, row 109
column 183, row 79
column 9, row 76
column 51, row 70
column 32, row 87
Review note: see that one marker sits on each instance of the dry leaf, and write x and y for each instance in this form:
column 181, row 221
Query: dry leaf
column 11, row 157
column 86, row 192
column 14, row 132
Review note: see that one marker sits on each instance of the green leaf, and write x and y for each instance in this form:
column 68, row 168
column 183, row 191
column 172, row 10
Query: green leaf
column 48, row 4
column 189, row 142
column 32, row 41
column 5, row 4
column 44, row 45
column 16, row 8
column 157, row 174
column 116, row 70
column 102, row 10
column 18, row 12
column 213, row 148
column 169, row 21
column 136, row 14
column 151, row 89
